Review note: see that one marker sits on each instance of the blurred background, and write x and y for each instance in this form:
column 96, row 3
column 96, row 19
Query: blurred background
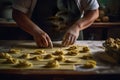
column 109, row 13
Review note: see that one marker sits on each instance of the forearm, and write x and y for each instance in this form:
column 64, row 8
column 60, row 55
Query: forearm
column 25, row 23
column 87, row 20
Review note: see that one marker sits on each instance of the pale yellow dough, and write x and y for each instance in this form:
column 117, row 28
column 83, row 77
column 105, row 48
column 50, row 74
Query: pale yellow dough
column 37, row 58
column 52, row 64
column 11, row 61
column 85, row 49
column 60, row 58
column 72, row 53
column 48, row 56
column 73, row 47
column 5, row 55
column 25, row 56
column 24, row 63
column 87, row 56
column 70, row 61
column 58, row 52
column 14, row 51
column 39, row 52
column 90, row 64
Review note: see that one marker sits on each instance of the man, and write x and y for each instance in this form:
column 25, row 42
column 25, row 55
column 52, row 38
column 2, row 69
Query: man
column 33, row 17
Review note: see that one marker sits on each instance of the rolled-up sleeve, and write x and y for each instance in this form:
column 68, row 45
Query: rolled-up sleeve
column 89, row 4
column 22, row 5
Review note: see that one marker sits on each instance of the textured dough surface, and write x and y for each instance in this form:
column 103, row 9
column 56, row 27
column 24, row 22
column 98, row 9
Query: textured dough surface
column 38, row 64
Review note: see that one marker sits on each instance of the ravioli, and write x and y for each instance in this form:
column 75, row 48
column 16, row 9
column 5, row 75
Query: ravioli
column 25, row 56
column 11, row 61
column 4, row 55
column 14, row 51
column 24, row 64
column 37, row 58
column 52, row 64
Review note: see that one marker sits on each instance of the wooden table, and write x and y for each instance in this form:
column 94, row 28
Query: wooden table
column 111, row 73
column 8, row 24
column 105, row 24
column 94, row 25
column 102, row 27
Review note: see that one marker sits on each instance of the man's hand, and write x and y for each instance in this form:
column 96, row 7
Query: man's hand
column 43, row 40
column 71, row 36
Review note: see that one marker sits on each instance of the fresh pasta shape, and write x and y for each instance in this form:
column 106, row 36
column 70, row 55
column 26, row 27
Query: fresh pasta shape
column 52, row 64
column 24, row 64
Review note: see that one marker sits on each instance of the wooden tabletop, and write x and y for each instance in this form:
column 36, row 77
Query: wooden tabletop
column 106, row 24
column 95, row 47
column 94, row 25
column 8, row 24
column 78, row 74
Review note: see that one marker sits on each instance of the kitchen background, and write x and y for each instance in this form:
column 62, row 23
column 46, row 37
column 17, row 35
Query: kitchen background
column 109, row 8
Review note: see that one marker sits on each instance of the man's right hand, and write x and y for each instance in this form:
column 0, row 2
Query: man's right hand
column 43, row 40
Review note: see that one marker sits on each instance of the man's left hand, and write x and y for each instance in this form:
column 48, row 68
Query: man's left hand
column 71, row 35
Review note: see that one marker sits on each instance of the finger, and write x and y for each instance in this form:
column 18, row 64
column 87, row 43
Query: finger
column 70, row 40
column 63, row 41
column 73, row 40
column 66, row 40
column 44, row 40
column 39, row 43
column 49, row 42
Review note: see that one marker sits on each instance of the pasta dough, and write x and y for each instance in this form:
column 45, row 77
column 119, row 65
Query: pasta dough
column 52, row 64
column 73, row 47
column 48, row 56
column 70, row 61
column 24, row 63
column 11, row 61
column 89, row 64
column 87, row 56
column 85, row 49
column 5, row 55
column 112, row 48
column 73, row 53
column 14, row 51
column 37, row 58
column 39, row 52
column 25, row 56
column 60, row 58
column 58, row 52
